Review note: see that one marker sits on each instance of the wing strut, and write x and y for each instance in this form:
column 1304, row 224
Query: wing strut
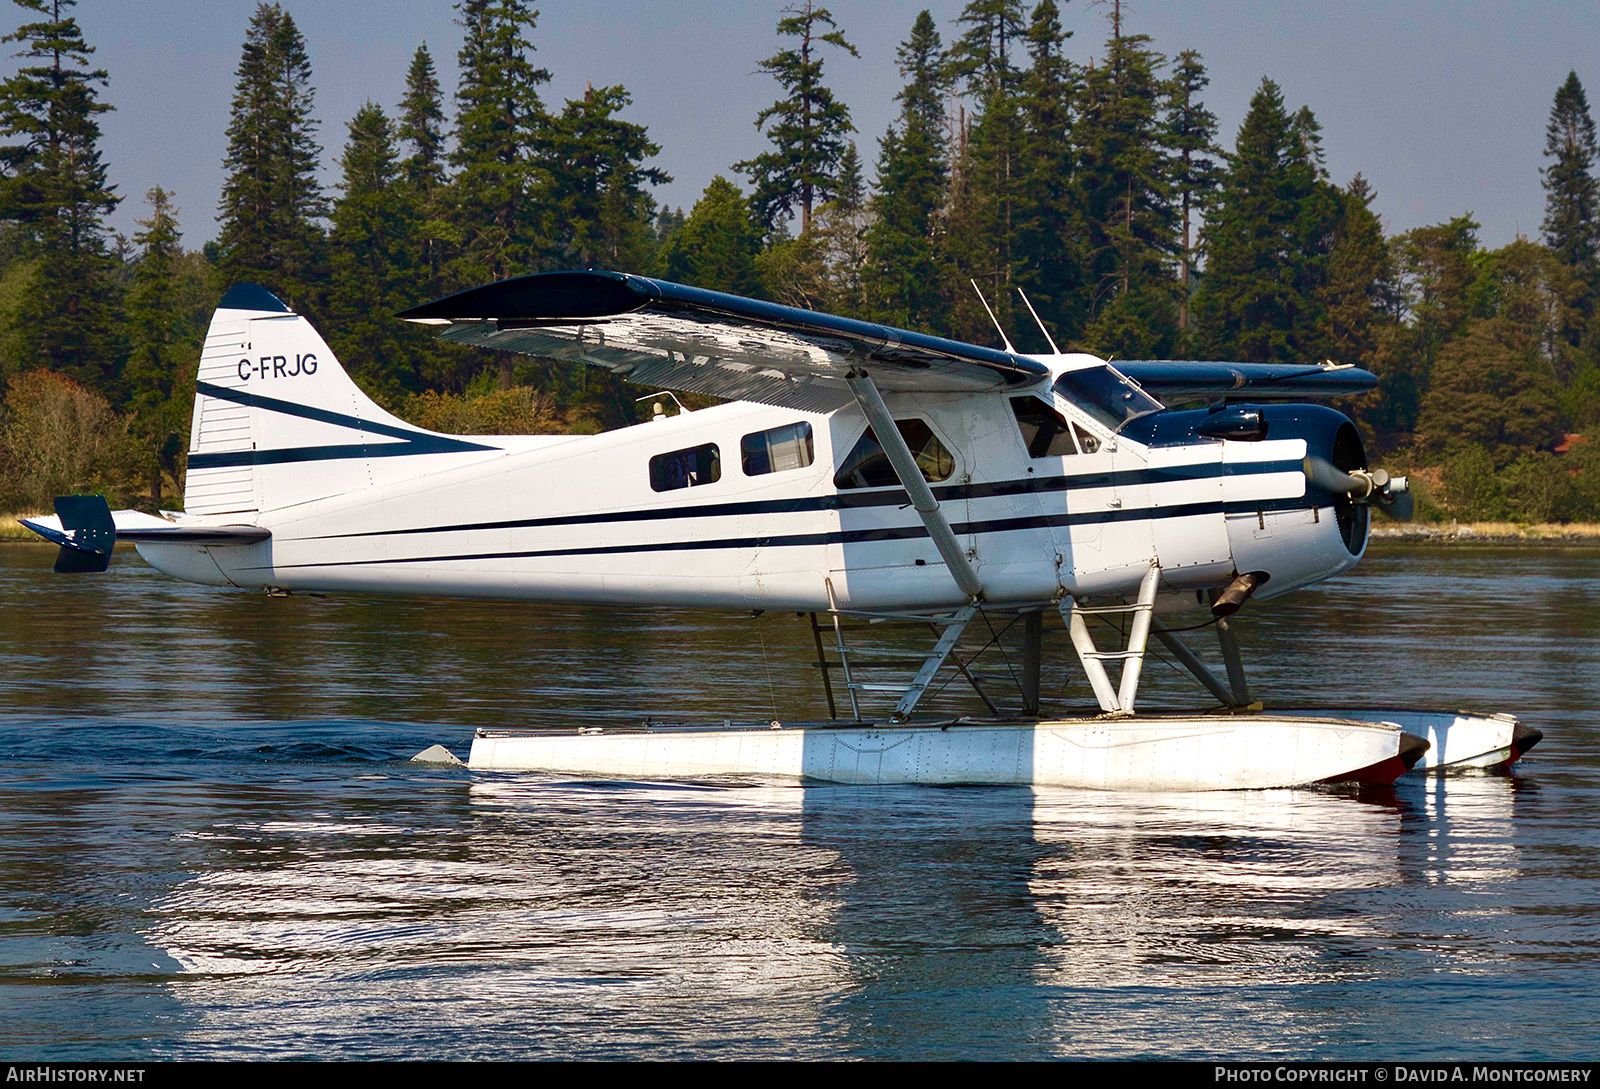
column 905, row 467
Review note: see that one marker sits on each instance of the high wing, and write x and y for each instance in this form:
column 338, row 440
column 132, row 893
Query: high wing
column 1169, row 379
column 668, row 335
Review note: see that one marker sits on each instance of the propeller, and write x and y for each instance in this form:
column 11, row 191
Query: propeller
column 1390, row 494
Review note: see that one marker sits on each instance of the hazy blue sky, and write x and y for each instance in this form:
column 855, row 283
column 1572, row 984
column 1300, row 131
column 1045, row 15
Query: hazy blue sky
column 1442, row 106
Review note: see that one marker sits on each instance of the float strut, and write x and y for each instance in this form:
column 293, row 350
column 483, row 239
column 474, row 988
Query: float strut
column 844, row 653
column 1032, row 652
column 824, row 665
column 1230, row 658
column 1201, row 671
column 1118, row 701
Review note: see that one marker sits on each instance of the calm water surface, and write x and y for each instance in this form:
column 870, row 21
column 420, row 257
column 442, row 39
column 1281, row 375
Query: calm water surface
column 211, row 844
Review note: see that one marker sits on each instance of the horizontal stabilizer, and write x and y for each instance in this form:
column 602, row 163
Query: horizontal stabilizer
column 1168, row 379
column 669, row 335
column 86, row 529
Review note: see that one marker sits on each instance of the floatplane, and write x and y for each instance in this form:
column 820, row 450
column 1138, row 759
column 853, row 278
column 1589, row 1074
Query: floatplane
column 854, row 472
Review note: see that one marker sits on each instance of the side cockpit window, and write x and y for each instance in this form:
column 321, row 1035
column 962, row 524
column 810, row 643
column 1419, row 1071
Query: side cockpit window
column 686, row 468
column 1046, row 433
column 868, row 466
column 777, row 450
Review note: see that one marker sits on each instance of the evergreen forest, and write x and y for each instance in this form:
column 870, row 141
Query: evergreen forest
column 1103, row 190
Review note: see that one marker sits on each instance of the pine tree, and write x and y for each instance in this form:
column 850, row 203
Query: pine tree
column 421, row 124
column 1268, row 241
column 1191, row 132
column 1049, row 232
column 987, row 176
column 1359, row 292
column 821, row 268
column 502, row 139
column 271, row 199
column 717, row 245
column 53, row 186
column 421, row 129
column 164, row 341
column 602, row 210
column 602, row 214
column 1126, row 176
column 501, row 135
column 981, row 57
column 905, row 278
column 374, row 260
column 1572, row 197
column 808, row 124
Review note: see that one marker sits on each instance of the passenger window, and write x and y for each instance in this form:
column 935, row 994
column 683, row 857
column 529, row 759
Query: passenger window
column 868, row 466
column 1044, row 432
column 777, row 450
column 686, row 468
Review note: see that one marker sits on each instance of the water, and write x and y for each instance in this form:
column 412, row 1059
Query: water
column 211, row 845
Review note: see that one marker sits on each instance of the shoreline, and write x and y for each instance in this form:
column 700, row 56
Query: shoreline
column 1579, row 534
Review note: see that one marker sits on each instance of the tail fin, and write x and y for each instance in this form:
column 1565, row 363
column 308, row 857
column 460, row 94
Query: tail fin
column 278, row 422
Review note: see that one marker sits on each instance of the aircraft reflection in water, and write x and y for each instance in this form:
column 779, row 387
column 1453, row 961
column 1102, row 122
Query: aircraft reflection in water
column 880, row 474
column 832, row 920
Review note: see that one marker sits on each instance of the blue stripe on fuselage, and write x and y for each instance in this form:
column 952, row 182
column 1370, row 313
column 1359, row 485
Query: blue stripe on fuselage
column 877, row 497
column 415, row 442
column 849, row 536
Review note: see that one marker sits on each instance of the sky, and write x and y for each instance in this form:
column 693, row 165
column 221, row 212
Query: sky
column 1442, row 106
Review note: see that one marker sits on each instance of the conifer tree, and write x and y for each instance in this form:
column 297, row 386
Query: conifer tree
column 420, row 128
column 981, row 58
column 905, row 279
column 1191, row 132
column 53, row 186
column 421, row 124
column 1050, row 251
column 1126, row 178
column 821, row 269
column 602, row 210
column 808, row 125
column 502, row 133
column 163, row 341
column 502, row 139
column 271, row 200
column 1358, row 294
column 1572, row 197
column 717, row 245
column 982, row 211
column 374, row 263
column 1268, row 241
column 602, row 216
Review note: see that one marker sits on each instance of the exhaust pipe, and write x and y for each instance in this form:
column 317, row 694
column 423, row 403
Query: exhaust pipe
column 1237, row 593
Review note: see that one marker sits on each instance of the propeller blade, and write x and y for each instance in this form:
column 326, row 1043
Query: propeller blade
column 1402, row 507
column 1324, row 475
column 1389, row 494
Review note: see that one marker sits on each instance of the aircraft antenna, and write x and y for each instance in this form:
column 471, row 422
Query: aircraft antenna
column 1050, row 340
column 1003, row 338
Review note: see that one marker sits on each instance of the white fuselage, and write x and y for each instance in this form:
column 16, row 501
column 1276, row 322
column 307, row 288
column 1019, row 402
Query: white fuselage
column 578, row 519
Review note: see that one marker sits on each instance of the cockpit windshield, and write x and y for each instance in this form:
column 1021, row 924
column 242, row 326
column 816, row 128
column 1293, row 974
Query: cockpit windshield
column 1106, row 395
